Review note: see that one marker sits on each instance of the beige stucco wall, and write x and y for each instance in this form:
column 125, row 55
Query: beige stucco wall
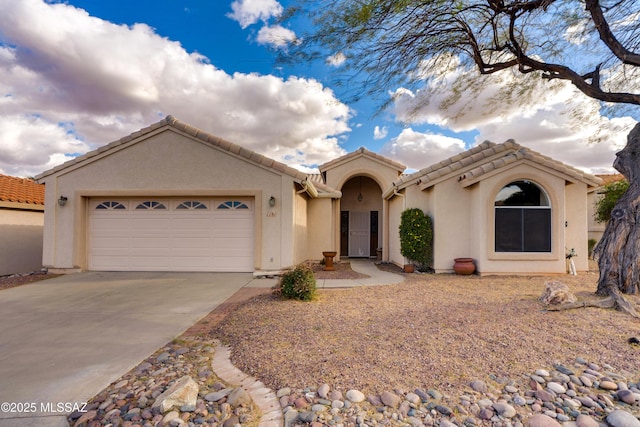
column 21, row 242
column 379, row 171
column 322, row 230
column 596, row 229
column 300, row 226
column 490, row 262
column 168, row 163
column 463, row 220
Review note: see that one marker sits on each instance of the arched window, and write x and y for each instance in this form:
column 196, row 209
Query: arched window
column 522, row 218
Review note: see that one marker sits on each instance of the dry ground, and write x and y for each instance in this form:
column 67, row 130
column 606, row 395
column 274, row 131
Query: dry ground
column 432, row 331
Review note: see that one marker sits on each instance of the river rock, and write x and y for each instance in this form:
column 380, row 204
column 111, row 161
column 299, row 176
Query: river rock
column 556, row 388
column 323, row 391
column 392, row 400
column 355, row 396
column 620, row 418
column 583, row 420
column 479, row 386
column 627, row 396
column 239, row 397
column 504, row 409
column 541, row 420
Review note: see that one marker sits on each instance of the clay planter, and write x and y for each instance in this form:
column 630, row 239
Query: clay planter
column 328, row 260
column 464, row 266
column 409, row 268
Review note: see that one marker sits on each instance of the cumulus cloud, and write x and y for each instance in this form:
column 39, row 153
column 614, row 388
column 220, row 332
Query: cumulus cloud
column 276, row 36
column 418, row 150
column 72, row 82
column 380, row 132
column 556, row 120
column 248, row 12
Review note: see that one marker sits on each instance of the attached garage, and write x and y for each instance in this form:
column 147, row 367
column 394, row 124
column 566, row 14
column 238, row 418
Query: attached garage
column 179, row 234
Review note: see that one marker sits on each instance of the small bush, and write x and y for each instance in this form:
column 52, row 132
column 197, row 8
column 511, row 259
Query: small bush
column 591, row 244
column 298, row 283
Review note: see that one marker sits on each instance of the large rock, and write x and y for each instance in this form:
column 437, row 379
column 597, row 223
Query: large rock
column 621, row 418
column 183, row 392
column 556, row 293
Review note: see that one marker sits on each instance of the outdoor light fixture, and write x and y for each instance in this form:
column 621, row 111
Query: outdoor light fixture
column 272, row 201
column 360, row 197
column 62, row 201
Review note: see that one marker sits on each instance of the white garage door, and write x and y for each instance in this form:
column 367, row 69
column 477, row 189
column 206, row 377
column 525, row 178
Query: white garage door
column 190, row 234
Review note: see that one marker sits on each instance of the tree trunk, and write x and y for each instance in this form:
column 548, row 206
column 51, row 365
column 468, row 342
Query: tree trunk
column 618, row 252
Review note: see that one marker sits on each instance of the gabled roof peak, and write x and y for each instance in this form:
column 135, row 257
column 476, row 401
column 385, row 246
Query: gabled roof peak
column 213, row 140
column 487, row 157
column 362, row 152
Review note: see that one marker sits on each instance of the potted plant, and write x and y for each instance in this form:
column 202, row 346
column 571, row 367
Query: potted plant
column 416, row 238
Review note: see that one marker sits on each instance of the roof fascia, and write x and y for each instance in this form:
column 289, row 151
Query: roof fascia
column 360, row 153
column 525, row 161
column 21, row 206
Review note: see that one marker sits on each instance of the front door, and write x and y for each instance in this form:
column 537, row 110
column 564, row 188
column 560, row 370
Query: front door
column 359, row 241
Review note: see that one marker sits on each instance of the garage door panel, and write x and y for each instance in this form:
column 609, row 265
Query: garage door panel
column 171, row 239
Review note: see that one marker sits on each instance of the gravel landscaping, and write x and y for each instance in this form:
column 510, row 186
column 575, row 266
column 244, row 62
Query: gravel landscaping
column 432, row 331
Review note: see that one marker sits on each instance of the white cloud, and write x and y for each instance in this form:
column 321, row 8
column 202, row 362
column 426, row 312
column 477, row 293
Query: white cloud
column 47, row 143
column 336, row 60
column 248, row 12
column 276, row 36
column 557, row 120
column 418, row 150
column 60, row 65
column 380, row 132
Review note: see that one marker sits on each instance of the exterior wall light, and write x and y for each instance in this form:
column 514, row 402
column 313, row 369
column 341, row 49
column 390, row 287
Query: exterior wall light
column 62, row 201
column 272, row 201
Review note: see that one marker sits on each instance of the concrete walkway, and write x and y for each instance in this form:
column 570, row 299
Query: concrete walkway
column 376, row 276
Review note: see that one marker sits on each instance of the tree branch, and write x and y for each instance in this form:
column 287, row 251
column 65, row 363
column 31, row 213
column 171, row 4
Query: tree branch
column 607, row 36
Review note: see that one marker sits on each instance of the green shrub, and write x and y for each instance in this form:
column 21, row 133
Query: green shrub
column 416, row 237
column 298, row 283
column 591, row 244
column 611, row 193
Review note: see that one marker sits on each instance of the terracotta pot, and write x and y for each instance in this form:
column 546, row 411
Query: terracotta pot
column 409, row 268
column 464, row 266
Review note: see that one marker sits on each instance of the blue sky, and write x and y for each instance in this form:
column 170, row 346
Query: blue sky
column 81, row 73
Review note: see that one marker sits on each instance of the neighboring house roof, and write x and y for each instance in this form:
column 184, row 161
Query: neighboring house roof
column 610, row 178
column 215, row 141
column 361, row 152
column 487, row 158
column 21, row 190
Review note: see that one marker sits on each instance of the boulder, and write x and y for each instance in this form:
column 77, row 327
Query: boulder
column 556, row 293
column 183, row 392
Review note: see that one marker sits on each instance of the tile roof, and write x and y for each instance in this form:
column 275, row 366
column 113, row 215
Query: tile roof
column 362, row 152
column 213, row 140
column 21, row 190
column 478, row 161
column 608, row 179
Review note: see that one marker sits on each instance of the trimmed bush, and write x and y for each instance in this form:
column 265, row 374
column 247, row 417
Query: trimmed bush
column 416, row 238
column 298, row 283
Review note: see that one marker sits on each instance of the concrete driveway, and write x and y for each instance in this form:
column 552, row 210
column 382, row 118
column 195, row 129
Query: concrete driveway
column 63, row 340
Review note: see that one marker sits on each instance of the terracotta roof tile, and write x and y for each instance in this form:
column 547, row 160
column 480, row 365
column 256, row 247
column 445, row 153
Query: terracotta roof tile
column 21, row 190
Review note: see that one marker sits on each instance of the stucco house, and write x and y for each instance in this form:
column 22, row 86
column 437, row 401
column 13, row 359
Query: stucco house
column 21, row 222
column 175, row 198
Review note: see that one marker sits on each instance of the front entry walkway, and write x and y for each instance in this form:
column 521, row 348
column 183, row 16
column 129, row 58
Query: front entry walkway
column 364, row 266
